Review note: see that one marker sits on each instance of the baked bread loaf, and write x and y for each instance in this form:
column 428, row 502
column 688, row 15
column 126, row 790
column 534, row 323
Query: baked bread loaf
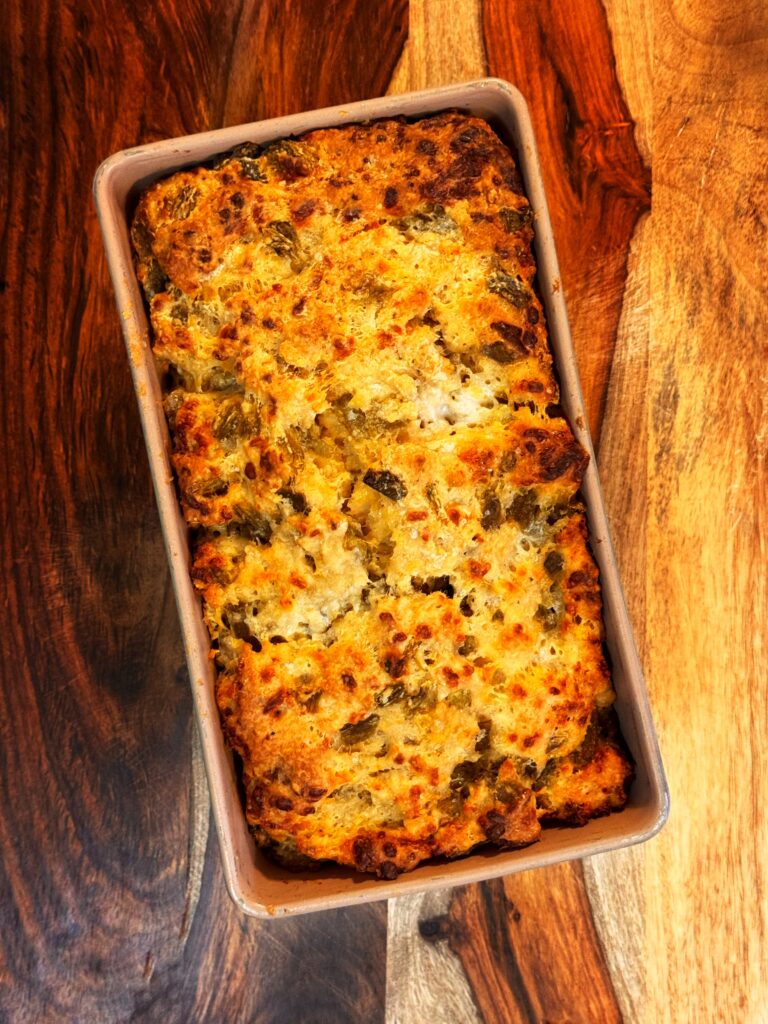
column 383, row 493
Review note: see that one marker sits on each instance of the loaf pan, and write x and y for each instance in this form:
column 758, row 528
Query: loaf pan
column 258, row 886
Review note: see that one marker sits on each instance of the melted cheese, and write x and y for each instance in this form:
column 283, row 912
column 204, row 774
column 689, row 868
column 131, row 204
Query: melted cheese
column 389, row 543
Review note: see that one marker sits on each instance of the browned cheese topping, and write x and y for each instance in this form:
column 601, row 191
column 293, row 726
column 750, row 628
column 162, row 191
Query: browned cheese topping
column 388, row 537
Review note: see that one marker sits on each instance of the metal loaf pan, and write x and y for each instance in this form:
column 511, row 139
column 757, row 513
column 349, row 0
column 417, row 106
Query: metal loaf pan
column 257, row 885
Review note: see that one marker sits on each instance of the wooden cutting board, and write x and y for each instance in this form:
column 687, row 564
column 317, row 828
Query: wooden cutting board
column 652, row 124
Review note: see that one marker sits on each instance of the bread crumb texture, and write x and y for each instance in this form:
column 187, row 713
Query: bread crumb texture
column 383, row 494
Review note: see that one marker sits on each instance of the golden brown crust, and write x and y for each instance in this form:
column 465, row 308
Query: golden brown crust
column 390, row 548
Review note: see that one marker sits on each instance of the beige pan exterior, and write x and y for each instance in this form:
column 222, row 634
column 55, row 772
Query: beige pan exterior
column 258, row 886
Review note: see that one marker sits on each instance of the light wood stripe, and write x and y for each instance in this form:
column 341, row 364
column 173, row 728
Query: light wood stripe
column 425, row 978
column 706, row 923
column 616, row 882
column 445, row 44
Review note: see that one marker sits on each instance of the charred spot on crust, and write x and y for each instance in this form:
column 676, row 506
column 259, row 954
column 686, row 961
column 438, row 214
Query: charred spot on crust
column 512, row 334
column 364, row 853
column 579, row 578
column 385, row 483
column 466, row 137
column 557, row 461
column 305, row 209
column 394, row 666
column 493, row 825
column 296, row 500
column 473, row 148
column 434, row 585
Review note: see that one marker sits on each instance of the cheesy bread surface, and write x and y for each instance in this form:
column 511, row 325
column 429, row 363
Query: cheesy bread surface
column 383, row 493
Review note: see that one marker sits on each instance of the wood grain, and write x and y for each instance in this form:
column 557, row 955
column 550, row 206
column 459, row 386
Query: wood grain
column 690, row 908
column 598, row 187
column 425, row 978
column 707, row 492
column 112, row 905
column 107, row 911
column 301, row 54
column 445, row 45
column 616, row 884
column 529, row 949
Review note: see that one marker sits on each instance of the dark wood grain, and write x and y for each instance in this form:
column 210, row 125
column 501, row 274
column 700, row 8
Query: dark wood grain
column 561, row 57
column 326, row 968
column 302, row 54
column 529, row 949
column 99, row 916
